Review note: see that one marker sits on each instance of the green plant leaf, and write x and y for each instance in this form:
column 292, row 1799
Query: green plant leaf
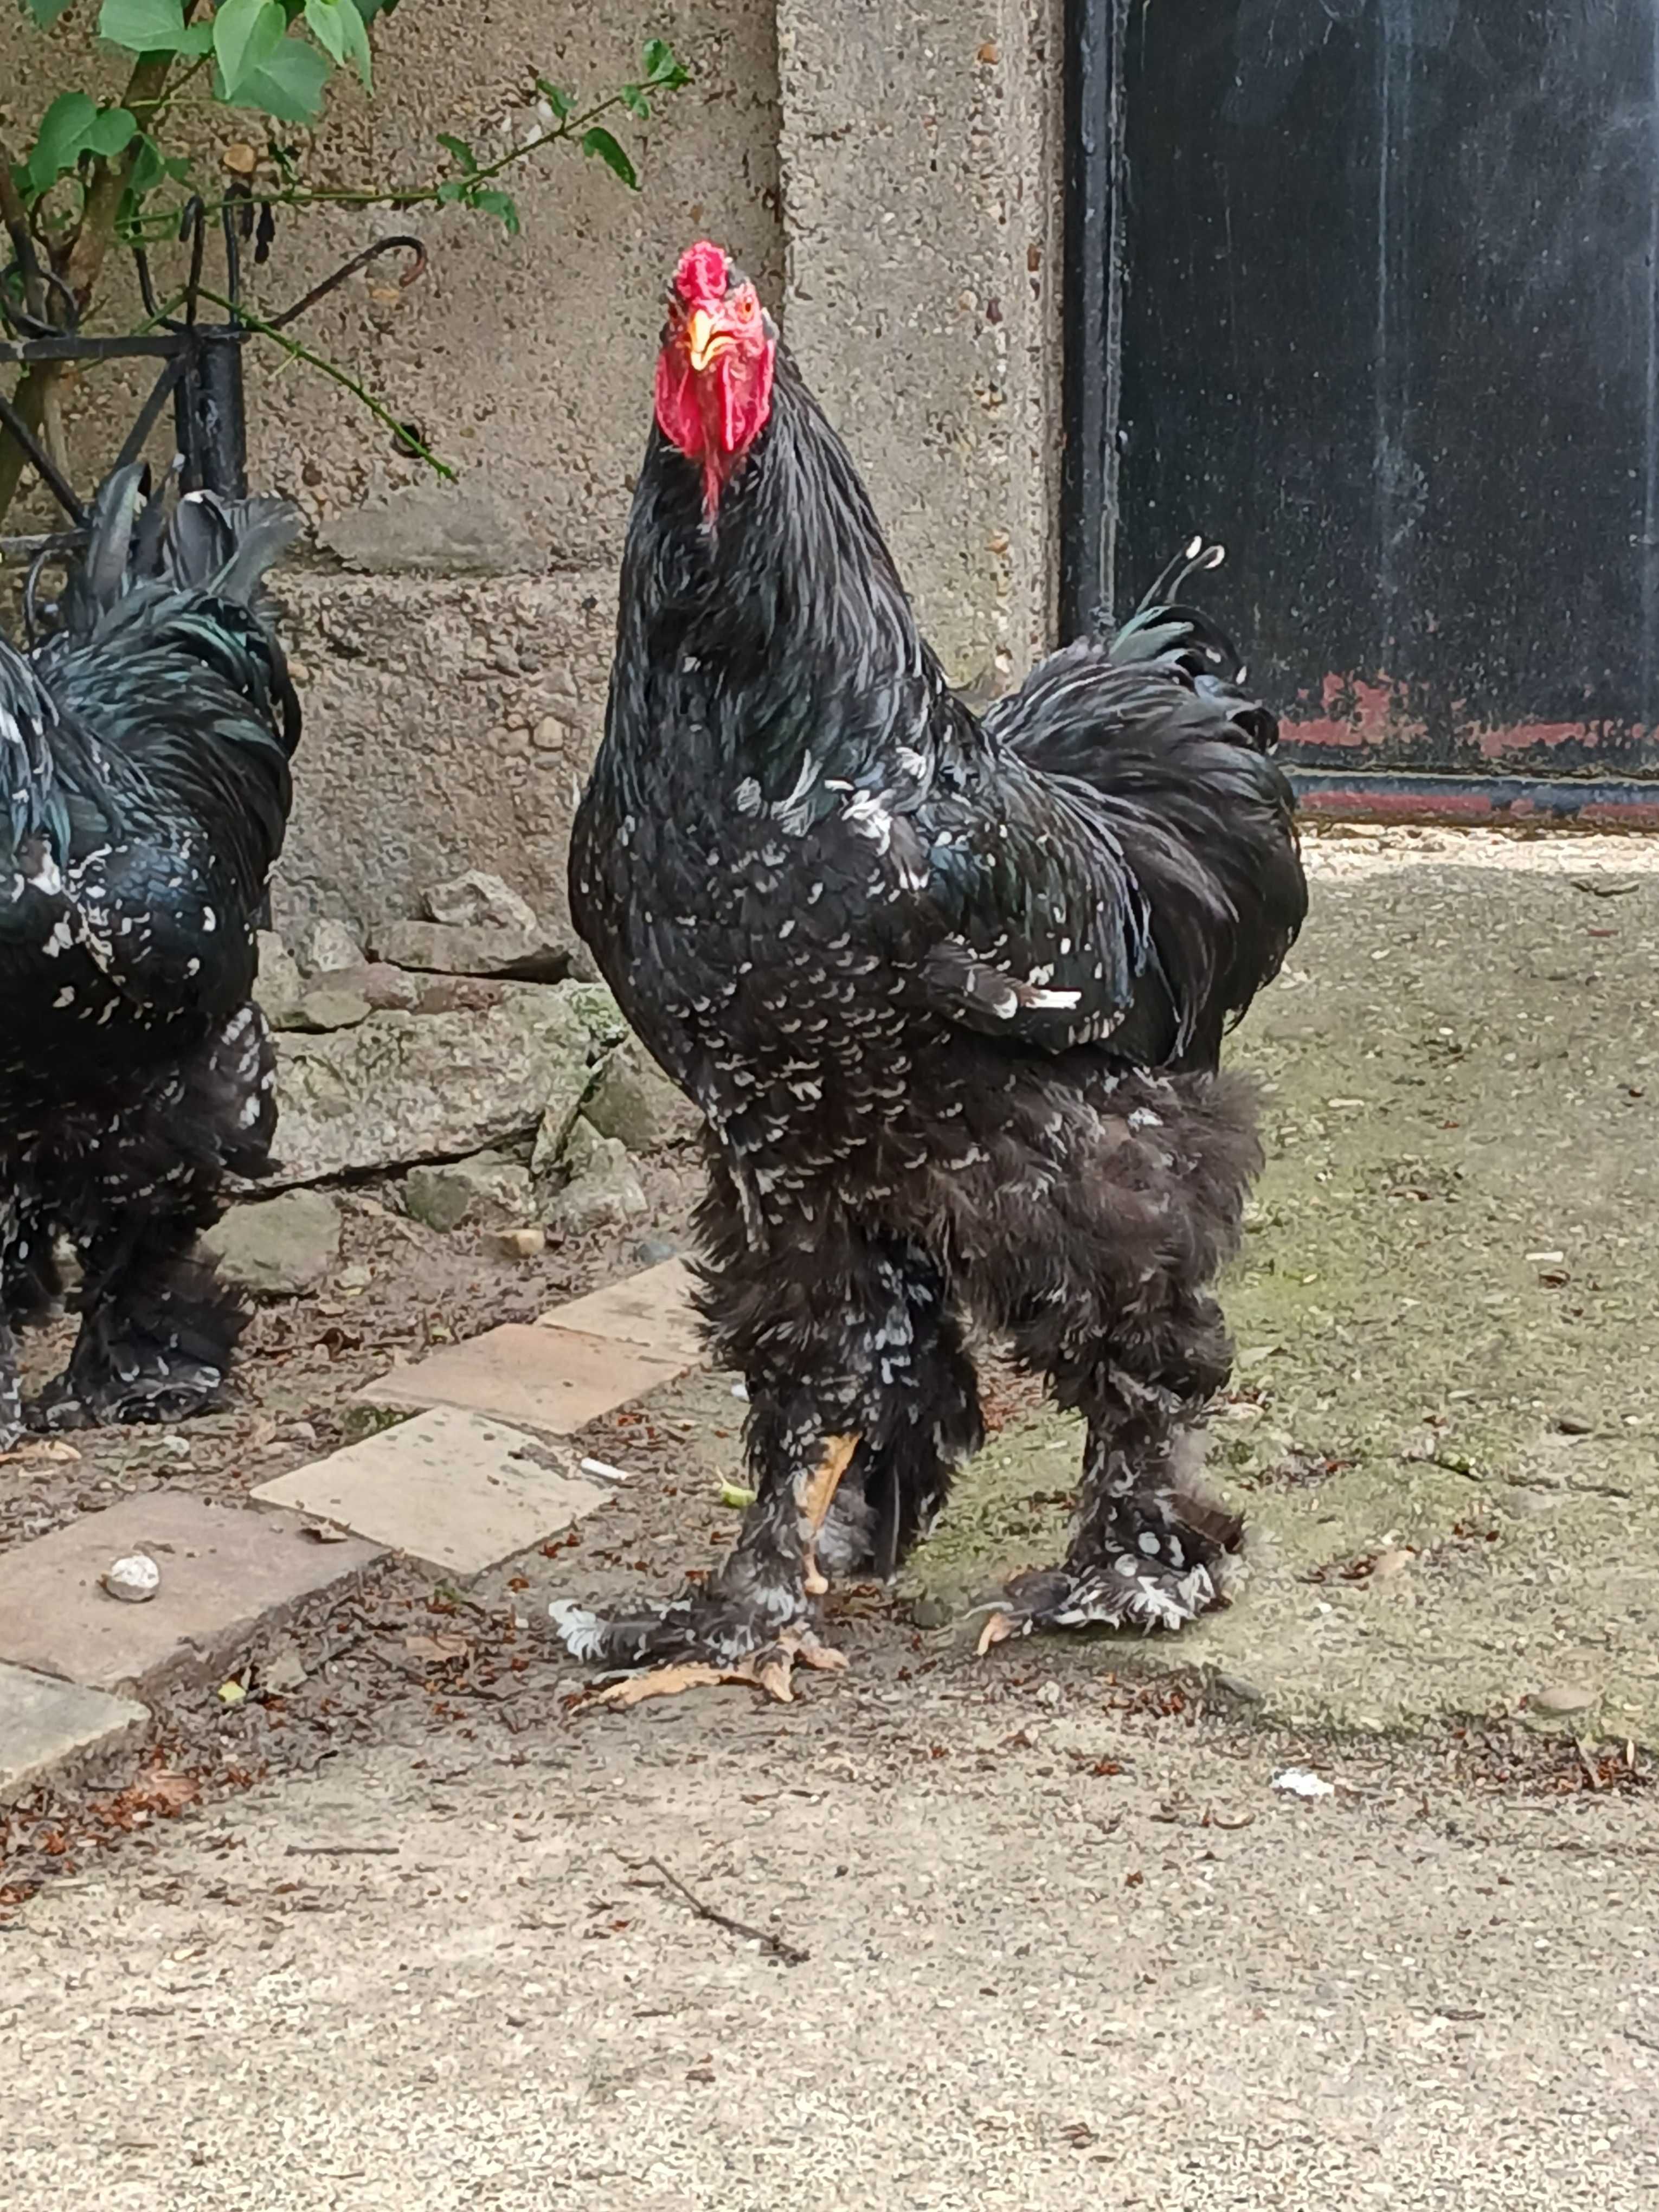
column 341, row 32
column 324, row 19
column 499, row 203
column 461, row 151
column 603, row 148
column 60, row 143
column 45, row 13
column 451, row 190
column 110, row 132
column 561, row 104
column 142, row 26
column 370, row 9
column 662, row 67
column 636, row 102
column 357, row 53
column 150, row 167
column 245, row 35
column 289, row 84
column 147, row 167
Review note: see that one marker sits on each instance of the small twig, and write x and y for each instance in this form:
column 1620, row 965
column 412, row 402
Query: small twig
column 163, row 221
column 296, row 351
column 16, row 216
column 343, row 1850
column 790, row 1953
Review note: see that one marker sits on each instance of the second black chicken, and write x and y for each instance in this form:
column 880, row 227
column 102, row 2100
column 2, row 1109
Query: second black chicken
column 144, row 794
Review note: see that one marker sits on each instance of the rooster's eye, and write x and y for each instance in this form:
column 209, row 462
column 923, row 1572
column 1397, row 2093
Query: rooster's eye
column 746, row 305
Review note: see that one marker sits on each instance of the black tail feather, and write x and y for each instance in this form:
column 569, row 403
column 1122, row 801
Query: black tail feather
column 1156, row 722
column 1163, row 627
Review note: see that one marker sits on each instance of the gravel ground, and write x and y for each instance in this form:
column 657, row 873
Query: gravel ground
column 387, row 1933
column 397, row 1290
column 1444, row 1427
column 1066, row 1946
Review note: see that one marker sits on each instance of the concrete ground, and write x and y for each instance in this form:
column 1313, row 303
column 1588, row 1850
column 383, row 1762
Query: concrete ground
column 1068, row 1943
column 1035, row 1978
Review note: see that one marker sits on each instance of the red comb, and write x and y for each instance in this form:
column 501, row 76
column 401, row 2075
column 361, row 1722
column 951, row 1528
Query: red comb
column 703, row 275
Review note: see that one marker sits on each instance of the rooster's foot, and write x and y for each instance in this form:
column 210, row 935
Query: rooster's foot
column 1124, row 1592
column 698, row 1640
column 769, row 1669
column 153, row 1393
column 753, row 1624
column 1151, row 1559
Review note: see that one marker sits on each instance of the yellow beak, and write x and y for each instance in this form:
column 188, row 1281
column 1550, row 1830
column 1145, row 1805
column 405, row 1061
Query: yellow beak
column 703, row 342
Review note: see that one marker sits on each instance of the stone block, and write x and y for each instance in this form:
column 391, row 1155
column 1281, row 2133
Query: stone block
column 551, row 1378
column 46, row 1724
column 403, row 1087
column 454, row 1490
column 229, row 1577
column 651, row 1311
column 278, row 1247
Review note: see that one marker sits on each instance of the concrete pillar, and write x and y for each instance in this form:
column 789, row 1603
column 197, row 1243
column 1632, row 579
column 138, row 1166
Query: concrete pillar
column 919, row 175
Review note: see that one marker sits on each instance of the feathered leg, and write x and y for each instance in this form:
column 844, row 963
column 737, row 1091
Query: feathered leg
column 857, row 1386
column 21, row 1284
column 32, row 1285
column 158, row 1327
column 1149, row 1546
column 1116, row 1309
column 899, row 1480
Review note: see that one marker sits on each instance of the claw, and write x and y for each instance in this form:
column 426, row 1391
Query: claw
column 769, row 1670
column 820, row 1490
column 818, row 1658
column 816, row 1501
column 663, row 1682
column 998, row 1629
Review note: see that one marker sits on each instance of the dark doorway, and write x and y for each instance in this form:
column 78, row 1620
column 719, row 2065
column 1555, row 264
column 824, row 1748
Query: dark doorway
column 1386, row 279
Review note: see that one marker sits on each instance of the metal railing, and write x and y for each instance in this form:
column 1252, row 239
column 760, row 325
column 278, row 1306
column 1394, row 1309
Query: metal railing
column 200, row 360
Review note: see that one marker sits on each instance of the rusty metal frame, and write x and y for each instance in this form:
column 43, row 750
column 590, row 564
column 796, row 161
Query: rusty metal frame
column 1496, row 801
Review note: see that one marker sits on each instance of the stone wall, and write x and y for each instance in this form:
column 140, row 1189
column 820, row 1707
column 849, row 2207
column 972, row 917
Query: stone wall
column 920, row 179
column 889, row 172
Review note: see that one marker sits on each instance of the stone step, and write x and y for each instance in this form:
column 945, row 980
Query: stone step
column 652, row 1309
column 548, row 1377
column 46, row 1724
column 228, row 1576
column 455, row 1491
column 459, row 1488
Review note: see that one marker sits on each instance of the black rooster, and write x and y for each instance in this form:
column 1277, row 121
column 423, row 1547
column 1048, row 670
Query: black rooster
column 950, row 994
column 144, row 791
